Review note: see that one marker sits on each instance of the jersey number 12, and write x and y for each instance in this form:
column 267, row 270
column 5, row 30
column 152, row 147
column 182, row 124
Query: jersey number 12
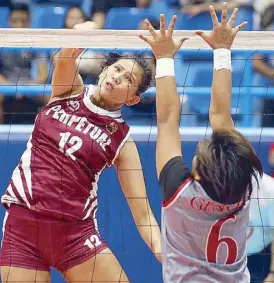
column 74, row 142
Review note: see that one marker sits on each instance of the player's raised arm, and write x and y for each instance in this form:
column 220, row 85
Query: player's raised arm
column 220, row 40
column 167, row 98
column 66, row 79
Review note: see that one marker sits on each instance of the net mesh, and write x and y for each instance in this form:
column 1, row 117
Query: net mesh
column 29, row 90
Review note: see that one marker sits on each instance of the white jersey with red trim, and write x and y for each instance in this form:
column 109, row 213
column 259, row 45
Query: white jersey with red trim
column 202, row 240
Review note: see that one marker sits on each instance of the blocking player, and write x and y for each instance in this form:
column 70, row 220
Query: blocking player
column 52, row 196
column 205, row 212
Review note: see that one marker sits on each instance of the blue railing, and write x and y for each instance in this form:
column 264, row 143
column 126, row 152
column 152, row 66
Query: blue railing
column 247, row 92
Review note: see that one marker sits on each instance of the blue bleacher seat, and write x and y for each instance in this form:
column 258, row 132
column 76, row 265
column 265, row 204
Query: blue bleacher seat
column 141, row 114
column 197, row 70
column 48, row 16
column 199, row 22
column 161, row 7
column 4, row 17
column 126, row 18
column 203, row 73
column 60, row 2
column 201, row 108
column 246, row 13
column 203, row 21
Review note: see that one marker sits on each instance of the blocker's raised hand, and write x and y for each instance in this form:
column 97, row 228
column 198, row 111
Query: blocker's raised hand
column 223, row 33
column 162, row 42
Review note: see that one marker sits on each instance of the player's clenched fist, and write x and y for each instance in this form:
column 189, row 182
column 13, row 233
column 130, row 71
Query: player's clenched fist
column 223, row 32
column 162, row 43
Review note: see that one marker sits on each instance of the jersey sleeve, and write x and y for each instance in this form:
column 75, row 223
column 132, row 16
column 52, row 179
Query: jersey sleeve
column 172, row 176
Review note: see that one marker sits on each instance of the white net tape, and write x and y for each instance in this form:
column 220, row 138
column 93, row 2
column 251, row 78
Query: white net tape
column 49, row 38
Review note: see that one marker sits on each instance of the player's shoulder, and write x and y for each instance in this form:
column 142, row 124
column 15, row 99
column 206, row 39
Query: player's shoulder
column 174, row 178
column 68, row 97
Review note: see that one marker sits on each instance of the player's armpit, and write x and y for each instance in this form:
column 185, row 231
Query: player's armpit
column 174, row 174
column 168, row 143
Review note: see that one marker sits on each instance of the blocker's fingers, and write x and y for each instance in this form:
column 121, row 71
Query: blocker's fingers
column 224, row 14
column 233, row 17
column 181, row 41
column 239, row 27
column 151, row 28
column 171, row 25
column 144, row 38
column 213, row 16
column 200, row 33
column 203, row 35
column 162, row 24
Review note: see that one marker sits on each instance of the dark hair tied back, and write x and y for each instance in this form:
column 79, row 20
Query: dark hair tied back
column 139, row 58
column 221, row 141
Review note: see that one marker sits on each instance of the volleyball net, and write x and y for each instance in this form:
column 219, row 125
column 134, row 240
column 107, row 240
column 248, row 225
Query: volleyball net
column 194, row 66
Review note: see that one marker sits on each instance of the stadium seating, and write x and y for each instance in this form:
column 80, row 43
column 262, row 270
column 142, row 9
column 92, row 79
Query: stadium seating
column 197, row 69
column 126, row 18
column 246, row 13
column 198, row 22
column 161, row 7
column 60, row 2
column 4, row 17
column 47, row 16
column 194, row 69
column 203, row 21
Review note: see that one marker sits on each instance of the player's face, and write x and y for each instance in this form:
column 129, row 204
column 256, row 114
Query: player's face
column 74, row 17
column 119, row 82
column 19, row 19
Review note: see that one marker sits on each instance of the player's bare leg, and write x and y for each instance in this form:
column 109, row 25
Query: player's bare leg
column 102, row 268
column 19, row 275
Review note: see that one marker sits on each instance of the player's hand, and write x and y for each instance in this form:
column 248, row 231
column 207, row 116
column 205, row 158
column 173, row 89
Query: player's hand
column 223, row 33
column 76, row 52
column 162, row 43
column 269, row 278
column 86, row 25
column 83, row 26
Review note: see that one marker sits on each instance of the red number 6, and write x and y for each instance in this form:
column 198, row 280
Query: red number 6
column 214, row 241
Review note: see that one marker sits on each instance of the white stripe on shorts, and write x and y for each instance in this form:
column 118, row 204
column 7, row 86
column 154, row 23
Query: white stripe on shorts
column 4, row 226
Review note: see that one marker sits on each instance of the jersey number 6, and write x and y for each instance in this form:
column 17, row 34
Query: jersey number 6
column 214, row 241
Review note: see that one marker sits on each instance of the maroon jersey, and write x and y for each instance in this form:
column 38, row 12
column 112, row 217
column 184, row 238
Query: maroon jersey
column 72, row 142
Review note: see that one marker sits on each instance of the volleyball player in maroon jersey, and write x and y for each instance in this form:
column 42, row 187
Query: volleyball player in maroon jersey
column 52, row 195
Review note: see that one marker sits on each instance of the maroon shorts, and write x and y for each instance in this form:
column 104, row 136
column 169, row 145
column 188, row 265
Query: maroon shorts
column 35, row 241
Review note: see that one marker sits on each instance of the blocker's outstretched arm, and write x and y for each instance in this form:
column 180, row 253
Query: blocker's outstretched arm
column 221, row 39
column 167, row 98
